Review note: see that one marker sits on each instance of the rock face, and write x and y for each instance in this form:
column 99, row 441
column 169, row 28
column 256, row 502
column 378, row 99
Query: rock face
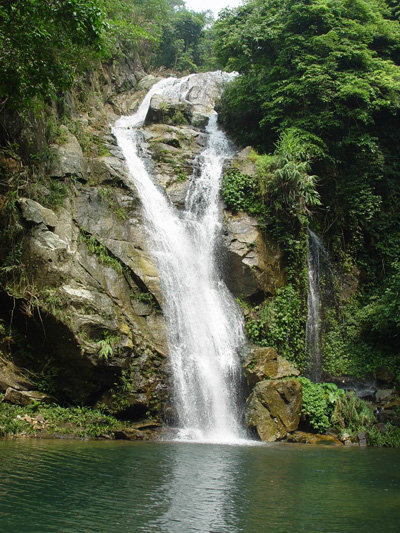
column 67, row 156
column 12, row 377
column 93, row 274
column 273, row 408
column 265, row 363
column 91, row 297
column 193, row 102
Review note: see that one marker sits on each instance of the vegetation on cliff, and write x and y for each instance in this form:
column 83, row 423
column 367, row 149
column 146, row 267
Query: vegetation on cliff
column 319, row 98
column 45, row 45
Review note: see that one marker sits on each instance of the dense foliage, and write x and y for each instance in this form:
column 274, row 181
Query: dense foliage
column 319, row 94
column 44, row 45
column 326, row 407
column 183, row 44
column 41, row 44
column 319, row 401
column 279, row 322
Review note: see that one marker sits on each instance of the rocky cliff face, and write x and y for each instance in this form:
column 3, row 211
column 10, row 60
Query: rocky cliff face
column 88, row 294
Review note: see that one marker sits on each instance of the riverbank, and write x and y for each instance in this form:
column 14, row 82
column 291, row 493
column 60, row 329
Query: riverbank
column 51, row 421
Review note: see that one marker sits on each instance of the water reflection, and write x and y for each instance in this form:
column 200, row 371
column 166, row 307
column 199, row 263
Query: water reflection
column 78, row 487
column 201, row 490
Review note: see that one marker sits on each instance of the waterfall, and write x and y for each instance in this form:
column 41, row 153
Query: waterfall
column 317, row 259
column 205, row 327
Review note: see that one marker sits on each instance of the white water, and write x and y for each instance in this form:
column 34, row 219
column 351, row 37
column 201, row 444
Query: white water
column 205, row 327
column 313, row 326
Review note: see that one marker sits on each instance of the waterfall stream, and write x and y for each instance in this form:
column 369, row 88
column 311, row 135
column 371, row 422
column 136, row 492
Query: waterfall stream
column 205, row 327
column 316, row 258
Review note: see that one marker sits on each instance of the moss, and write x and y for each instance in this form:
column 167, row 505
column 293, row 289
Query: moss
column 97, row 248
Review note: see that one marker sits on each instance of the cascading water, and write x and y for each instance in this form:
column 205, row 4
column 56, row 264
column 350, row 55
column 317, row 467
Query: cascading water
column 205, row 327
column 316, row 258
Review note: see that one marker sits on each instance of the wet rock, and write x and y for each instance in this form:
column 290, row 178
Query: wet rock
column 362, row 438
column 67, row 157
column 261, row 364
column 24, row 398
column 346, row 440
column 302, row 437
column 168, row 112
column 174, row 150
column 273, row 408
column 108, row 169
column 147, row 82
column 385, row 395
column 147, row 430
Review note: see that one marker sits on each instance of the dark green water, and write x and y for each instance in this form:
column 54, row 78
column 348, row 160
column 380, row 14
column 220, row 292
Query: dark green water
column 103, row 487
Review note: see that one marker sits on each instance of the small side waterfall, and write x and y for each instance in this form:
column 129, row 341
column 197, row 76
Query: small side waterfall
column 205, row 327
column 316, row 257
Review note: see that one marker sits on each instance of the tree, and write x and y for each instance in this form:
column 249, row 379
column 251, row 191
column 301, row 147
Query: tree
column 42, row 44
column 329, row 68
column 181, row 44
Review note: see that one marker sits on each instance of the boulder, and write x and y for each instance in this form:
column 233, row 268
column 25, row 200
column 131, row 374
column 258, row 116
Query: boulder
column 11, row 376
column 168, row 112
column 37, row 214
column 147, row 82
column 285, row 368
column 385, row 374
column 243, row 163
column 265, row 363
column 273, row 408
column 362, row 438
column 132, row 433
column 385, row 395
column 109, row 169
column 26, row 397
column 194, row 98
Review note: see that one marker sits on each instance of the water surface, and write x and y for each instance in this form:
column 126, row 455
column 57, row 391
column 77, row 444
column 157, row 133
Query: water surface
column 106, row 487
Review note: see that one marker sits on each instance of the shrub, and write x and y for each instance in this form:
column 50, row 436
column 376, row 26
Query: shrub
column 319, row 400
column 351, row 414
column 241, row 192
column 388, row 438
